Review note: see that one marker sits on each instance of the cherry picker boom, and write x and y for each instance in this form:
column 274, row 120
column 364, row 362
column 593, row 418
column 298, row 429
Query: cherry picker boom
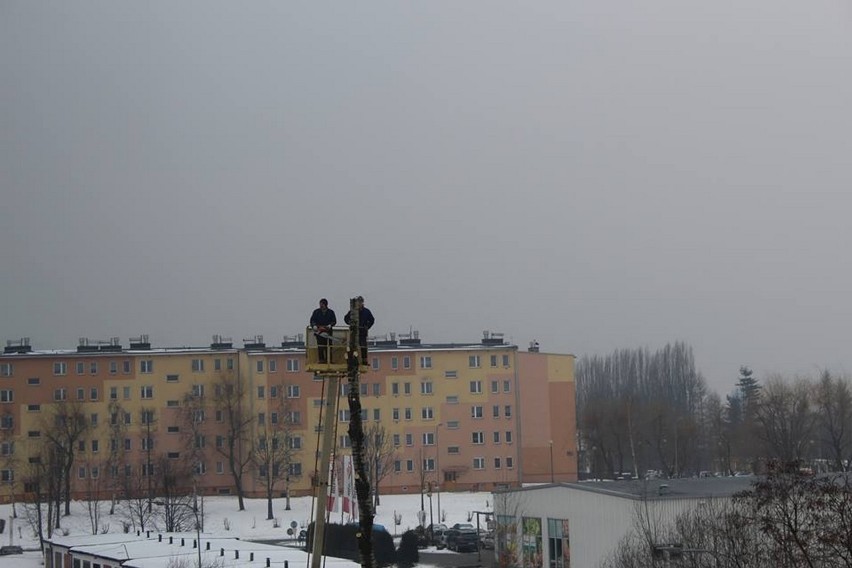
column 332, row 369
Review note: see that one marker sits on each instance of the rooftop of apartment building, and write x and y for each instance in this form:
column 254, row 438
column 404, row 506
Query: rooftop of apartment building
column 410, row 341
column 658, row 489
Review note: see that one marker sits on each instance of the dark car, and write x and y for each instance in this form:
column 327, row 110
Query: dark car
column 10, row 549
column 462, row 540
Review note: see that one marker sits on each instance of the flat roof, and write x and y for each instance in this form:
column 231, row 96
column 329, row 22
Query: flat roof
column 683, row 488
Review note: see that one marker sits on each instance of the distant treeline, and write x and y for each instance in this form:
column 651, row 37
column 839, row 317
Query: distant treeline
column 650, row 413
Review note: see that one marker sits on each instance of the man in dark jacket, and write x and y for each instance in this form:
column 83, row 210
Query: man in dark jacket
column 365, row 322
column 323, row 321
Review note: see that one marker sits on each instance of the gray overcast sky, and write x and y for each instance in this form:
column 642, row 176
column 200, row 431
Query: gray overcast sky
column 592, row 174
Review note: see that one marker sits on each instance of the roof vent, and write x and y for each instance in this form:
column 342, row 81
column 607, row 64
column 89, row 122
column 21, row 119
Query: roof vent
column 221, row 342
column 492, row 338
column 388, row 340
column 18, row 346
column 533, row 346
column 297, row 340
column 140, row 343
column 83, row 346
column 254, row 343
column 111, row 346
column 410, row 338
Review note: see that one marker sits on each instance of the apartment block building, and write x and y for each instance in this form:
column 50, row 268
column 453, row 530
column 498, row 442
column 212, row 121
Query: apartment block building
column 467, row 416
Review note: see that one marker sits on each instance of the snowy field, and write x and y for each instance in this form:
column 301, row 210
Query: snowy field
column 222, row 519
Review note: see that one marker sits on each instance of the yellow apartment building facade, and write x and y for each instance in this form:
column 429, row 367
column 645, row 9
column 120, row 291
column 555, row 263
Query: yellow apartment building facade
column 473, row 416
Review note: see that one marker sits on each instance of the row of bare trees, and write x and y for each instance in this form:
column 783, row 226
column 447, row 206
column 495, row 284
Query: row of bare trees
column 639, row 411
column 787, row 519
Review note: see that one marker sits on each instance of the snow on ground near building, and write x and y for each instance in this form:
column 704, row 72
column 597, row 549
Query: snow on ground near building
column 222, row 519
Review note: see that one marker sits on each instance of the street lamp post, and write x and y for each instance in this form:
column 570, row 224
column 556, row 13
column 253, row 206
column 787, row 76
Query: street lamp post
column 438, row 468
column 431, row 518
column 552, row 477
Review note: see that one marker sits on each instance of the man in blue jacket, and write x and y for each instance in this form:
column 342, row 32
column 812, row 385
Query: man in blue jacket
column 365, row 322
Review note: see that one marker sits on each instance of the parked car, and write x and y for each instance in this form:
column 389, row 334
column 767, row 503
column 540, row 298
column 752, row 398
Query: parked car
column 459, row 526
column 462, row 540
column 10, row 549
column 436, row 533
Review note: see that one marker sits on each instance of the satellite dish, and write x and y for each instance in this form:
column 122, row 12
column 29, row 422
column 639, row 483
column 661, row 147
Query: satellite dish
column 293, row 524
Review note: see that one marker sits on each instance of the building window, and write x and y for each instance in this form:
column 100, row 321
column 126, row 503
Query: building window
column 146, row 366
column 81, row 394
column 374, row 363
column 426, row 413
column 296, row 469
column 508, row 436
column 60, row 394
column 451, row 374
column 198, row 365
column 261, row 419
column 93, row 420
column 173, row 429
column 477, row 438
column 496, row 463
column 394, row 363
column 81, row 367
column 409, row 465
column 60, row 368
column 507, row 386
column 395, row 389
column 476, row 387
column 294, row 391
column 426, row 387
column 377, row 414
column 93, row 368
column 428, row 438
column 395, row 414
column 7, row 422
column 95, row 446
column 113, row 367
column 172, row 378
column 345, row 442
column 496, row 437
column 273, row 366
column 261, row 392
column 505, row 360
column 292, row 365
column 113, row 393
column 452, row 399
column 6, row 369
column 33, row 408
column 478, row 463
column 453, row 425
column 397, row 466
column 230, row 364
column 495, row 387
column 396, row 440
column 198, row 390
column 473, row 361
column 509, row 462
column 34, row 381
column 259, row 365
column 93, row 393
column 426, row 362
column 495, row 411
column 429, row 464
column 377, row 389
column 507, row 411
column 125, row 367
column 476, row 411
column 273, row 391
column 7, row 396
column 406, row 362
column 147, row 392
column 217, row 364
column 126, row 393
column 494, row 360
column 147, row 416
column 220, row 467
column 409, row 439
column 406, row 389
column 408, row 414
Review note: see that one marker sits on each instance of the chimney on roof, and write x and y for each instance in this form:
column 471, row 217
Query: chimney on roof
column 140, row 343
column 221, row 342
column 492, row 338
column 255, row 343
column 20, row 346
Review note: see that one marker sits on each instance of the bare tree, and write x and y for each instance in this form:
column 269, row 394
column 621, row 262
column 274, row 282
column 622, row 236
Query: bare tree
column 229, row 399
column 275, row 446
column 785, row 419
column 64, row 427
column 379, row 455
column 833, row 400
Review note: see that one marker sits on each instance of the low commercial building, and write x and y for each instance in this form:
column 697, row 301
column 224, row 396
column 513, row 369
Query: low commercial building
column 580, row 524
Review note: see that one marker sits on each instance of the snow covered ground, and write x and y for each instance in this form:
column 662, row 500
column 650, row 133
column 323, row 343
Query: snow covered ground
column 222, row 519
